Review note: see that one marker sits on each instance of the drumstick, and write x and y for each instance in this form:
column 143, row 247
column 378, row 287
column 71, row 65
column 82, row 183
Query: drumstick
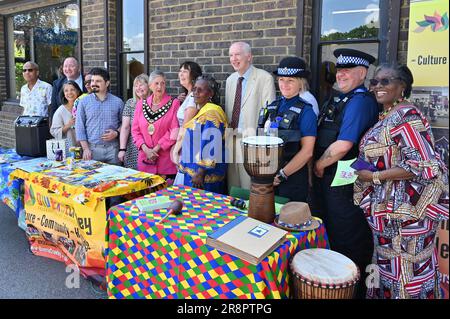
column 175, row 208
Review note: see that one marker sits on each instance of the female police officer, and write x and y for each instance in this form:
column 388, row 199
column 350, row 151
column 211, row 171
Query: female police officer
column 297, row 126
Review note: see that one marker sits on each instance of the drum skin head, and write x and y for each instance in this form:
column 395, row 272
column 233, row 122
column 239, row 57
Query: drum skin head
column 262, row 157
column 262, row 140
column 324, row 266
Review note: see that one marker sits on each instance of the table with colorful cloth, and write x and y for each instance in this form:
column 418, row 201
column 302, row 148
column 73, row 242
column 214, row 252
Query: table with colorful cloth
column 11, row 190
column 65, row 208
column 171, row 260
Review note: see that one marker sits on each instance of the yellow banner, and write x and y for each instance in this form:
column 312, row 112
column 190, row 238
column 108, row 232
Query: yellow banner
column 428, row 42
column 66, row 211
column 62, row 229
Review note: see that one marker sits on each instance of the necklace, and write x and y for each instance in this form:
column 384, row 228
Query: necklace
column 155, row 105
column 384, row 113
column 152, row 116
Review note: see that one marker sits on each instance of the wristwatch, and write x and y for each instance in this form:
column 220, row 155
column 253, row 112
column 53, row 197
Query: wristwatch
column 122, row 149
column 282, row 175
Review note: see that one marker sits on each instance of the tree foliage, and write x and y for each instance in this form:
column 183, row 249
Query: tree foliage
column 361, row 32
column 48, row 18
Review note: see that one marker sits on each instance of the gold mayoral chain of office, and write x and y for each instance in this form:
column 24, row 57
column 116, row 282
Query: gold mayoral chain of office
column 152, row 116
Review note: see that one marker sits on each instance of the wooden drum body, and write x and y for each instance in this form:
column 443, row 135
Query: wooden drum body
column 323, row 274
column 262, row 158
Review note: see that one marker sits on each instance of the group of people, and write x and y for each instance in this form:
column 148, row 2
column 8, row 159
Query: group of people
column 402, row 182
column 389, row 217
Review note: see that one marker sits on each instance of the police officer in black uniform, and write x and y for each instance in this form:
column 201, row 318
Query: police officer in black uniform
column 292, row 119
column 342, row 124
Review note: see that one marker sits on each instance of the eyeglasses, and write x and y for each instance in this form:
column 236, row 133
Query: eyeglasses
column 27, row 70
column 87, row 82
column 383, row 82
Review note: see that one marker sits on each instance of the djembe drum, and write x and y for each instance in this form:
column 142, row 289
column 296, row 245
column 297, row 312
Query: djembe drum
column 262, row 157
column 323, row 274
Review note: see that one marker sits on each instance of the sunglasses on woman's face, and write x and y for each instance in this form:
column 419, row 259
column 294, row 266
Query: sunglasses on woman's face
column 383, row 81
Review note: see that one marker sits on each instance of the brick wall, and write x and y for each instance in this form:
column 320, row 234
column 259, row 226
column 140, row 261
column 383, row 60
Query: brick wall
column 2, row 60
column 93, row 37
column 8, row 113
column 403, row 34
column 93, row 33
column 307, row 30
column 112, row 46
column 202, row 31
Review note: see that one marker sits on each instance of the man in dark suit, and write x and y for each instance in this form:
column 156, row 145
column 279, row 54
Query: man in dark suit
column 71, row 71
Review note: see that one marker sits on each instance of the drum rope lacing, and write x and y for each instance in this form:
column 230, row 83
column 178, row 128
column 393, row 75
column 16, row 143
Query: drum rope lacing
column 313, row 283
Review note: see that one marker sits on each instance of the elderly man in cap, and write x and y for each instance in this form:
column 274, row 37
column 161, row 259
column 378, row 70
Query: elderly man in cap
column 341, row 125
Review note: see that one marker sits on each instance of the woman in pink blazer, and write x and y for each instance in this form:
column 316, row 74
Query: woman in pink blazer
column 155, row 129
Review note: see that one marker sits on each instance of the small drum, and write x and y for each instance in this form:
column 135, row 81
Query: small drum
column 262, row 156
column 323, row 274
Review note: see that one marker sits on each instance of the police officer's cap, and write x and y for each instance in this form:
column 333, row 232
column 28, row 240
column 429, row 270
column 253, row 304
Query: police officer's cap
column 292, row 66
column 350, row 58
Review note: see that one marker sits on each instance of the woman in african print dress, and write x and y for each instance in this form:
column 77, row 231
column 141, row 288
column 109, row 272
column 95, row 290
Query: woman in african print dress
column 203, row 156
column 405, row 196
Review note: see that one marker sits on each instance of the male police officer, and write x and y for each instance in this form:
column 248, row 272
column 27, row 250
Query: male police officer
column 341, row 126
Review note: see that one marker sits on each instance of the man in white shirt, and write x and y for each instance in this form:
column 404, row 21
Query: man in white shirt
column 35, row 96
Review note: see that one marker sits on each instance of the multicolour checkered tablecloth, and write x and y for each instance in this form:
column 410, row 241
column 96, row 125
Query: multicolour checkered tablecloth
column 171, row 260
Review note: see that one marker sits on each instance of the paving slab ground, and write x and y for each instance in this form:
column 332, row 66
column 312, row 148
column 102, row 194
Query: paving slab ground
column 26, row 276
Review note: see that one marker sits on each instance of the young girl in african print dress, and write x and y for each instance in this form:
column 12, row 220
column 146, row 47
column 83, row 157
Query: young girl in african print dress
column 407, row 197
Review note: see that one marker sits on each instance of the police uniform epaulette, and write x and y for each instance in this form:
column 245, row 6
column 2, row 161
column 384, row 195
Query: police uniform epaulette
column 275, row 102
column 305, row 103
column 359, row 90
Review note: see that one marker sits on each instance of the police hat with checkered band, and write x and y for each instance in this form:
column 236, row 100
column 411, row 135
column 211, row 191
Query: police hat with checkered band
column 292, row 67
column 350, row 58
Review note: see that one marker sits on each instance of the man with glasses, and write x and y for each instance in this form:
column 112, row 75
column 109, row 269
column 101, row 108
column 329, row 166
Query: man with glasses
column 35, row 96
column 341, row 125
